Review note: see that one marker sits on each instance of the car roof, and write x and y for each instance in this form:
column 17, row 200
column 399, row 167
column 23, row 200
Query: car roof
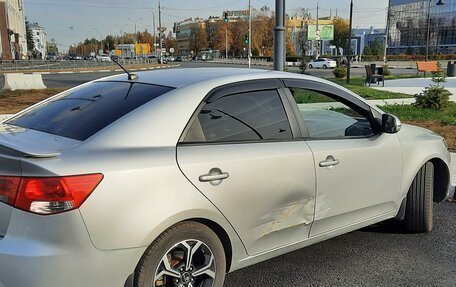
column 177, row 78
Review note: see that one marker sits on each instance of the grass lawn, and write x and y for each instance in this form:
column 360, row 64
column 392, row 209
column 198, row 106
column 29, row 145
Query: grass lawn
column 441, row 122
column 357, row 85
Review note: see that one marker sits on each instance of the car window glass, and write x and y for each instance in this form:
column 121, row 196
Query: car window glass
column 248, row 116
column 82, row 112
column 325, row 117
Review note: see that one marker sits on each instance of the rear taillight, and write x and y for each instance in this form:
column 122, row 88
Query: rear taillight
column 8, row 189
column 48, row 195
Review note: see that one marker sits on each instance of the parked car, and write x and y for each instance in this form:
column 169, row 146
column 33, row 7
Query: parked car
column 175, row 177
column 74, row 57
column 179, row 59
column 103, row 58
column 324, row 63
column 51, row 57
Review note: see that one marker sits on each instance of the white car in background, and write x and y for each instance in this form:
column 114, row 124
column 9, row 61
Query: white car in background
column 103, row 58
column 324, row 63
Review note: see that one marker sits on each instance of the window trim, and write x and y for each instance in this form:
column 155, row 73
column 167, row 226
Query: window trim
column 240, row 88
column 336, row 94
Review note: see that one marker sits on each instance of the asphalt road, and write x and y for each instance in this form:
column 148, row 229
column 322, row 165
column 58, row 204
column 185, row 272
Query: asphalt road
column 71, row 80
column 374, row 256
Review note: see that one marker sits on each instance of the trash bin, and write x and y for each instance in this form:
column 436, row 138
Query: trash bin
column 451, row 69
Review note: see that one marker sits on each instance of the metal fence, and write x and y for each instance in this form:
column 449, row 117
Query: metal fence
column 65, row 65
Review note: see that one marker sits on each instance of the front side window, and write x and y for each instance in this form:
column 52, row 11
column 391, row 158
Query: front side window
column 251, row 116
column 327, row 118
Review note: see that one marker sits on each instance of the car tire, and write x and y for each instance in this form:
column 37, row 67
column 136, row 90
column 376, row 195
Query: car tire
column 172, row 241
column 310, row 66
column 419, row 207
column 325, row 67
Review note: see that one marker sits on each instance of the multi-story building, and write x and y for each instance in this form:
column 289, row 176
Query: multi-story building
column 13, row 39
column 366, row 38
column 39, row 41
column 408, row 26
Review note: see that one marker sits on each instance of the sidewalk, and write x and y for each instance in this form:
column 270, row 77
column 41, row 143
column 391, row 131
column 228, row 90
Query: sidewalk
column 415, row 86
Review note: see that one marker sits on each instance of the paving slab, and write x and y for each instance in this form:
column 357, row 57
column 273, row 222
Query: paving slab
column 415, row 86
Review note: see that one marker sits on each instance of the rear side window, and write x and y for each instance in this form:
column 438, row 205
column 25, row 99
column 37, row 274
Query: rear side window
column 82, row 112
column 251, row 116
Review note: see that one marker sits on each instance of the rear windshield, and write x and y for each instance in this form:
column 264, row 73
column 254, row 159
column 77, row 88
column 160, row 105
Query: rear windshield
column 80, row 113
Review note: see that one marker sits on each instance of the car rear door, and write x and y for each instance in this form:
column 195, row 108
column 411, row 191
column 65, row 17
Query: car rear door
column 239, row 151
column 358, row 168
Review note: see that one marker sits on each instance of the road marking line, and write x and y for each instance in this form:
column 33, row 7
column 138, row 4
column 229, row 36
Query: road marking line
column 118, row 70
column 104, row 71
column 42, row 73
column 65, row 72
column 86, row 71
column 143, row 69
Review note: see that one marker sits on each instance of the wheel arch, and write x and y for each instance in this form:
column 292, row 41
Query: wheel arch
column 441, row 179
column 222, row 235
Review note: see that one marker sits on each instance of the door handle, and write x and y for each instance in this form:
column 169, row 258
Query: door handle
column 215, row 176
column 330, row 161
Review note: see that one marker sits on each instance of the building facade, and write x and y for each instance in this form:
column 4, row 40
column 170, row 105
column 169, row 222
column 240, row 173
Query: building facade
column 13, row 39
column 408, row 26
column 39, row 41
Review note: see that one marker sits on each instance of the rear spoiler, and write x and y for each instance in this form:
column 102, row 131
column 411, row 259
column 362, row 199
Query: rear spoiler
column 37, row 154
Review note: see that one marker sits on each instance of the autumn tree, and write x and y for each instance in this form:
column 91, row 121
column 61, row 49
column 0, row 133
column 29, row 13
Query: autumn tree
column 198, row 39
column 220, row 36
column 262, row 38
column 239, row 30
column 341, row 33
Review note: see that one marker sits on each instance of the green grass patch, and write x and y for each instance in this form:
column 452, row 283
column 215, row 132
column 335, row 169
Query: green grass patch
column 357, row 86
column 411, row 113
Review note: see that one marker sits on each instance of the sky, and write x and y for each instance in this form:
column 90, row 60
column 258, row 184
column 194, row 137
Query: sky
column 70, row 22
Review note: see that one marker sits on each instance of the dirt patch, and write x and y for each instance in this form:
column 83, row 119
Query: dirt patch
column 448, row 132
column 13, row 102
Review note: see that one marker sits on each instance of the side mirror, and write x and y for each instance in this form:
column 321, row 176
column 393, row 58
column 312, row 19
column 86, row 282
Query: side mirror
column 391, row 124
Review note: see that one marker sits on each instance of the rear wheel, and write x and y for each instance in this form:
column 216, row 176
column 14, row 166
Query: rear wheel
column 419, row 208
column 310, row 66
column 325, row 67
column 188, row 254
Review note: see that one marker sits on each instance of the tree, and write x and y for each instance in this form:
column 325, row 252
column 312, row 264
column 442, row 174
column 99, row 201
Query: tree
column 220, row 36
column 29, row 36
column 377, row 48
column 341, row 33
column 367, row 51
column 198, row 39
column 109, row 43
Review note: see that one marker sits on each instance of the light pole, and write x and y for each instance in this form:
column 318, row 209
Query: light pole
column 428, row 35
column 135, row 22
column 250, row 35
column 349, row 45
column 279, row 36
column 388, row 19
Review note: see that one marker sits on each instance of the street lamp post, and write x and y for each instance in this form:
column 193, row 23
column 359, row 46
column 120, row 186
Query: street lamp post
column 428, row 34
column 279, row 36
column 250, row 35
column 349, row 42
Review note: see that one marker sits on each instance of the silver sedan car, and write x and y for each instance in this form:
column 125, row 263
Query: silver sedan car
column 176, row 177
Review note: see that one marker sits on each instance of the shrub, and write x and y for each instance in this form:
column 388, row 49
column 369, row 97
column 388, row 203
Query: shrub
column 340, row 72
column 435, row 97
column 449, row 120
column 386, row 71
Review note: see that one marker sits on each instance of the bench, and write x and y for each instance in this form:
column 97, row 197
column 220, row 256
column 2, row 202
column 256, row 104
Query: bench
column 427, row 67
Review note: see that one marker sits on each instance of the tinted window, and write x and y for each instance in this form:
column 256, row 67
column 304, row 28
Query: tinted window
column 81, row 113
column 325, row 117
column 249, row 116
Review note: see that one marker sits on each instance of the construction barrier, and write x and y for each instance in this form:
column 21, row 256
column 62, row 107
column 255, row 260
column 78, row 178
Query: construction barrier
column 20, row 81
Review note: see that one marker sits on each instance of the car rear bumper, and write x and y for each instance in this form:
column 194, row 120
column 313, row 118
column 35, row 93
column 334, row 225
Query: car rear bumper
column 54, row 251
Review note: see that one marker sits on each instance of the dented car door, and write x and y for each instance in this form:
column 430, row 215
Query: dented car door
column 240, row 153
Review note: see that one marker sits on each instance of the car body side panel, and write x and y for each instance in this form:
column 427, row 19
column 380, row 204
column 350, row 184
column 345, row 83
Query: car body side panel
column 142, row 194
column 418, row 147
column 269, row 196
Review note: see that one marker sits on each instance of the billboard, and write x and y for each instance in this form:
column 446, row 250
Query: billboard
column 326, row 32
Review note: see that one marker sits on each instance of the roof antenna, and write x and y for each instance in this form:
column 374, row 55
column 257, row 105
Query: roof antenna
column 131, row 76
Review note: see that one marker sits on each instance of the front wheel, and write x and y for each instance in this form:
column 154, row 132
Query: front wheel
column 419, row 207
column 189, row 254
column 310, row 66
column 325, row 67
